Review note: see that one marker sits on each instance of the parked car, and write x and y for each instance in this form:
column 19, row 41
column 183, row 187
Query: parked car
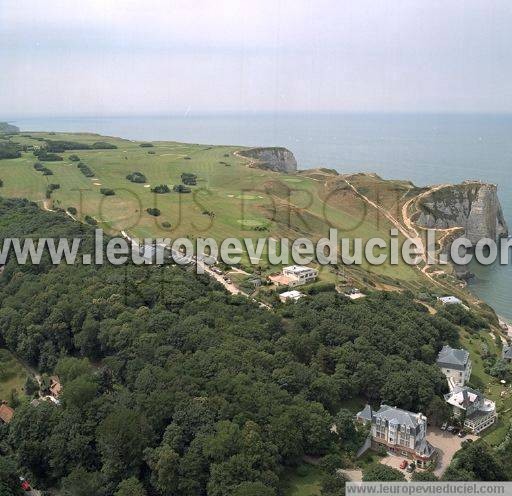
column 444, row 426
column 25, row 484
column 404, row 464
column 411, row 467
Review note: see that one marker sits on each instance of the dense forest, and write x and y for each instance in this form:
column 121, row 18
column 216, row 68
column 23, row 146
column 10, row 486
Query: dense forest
column 173, row 387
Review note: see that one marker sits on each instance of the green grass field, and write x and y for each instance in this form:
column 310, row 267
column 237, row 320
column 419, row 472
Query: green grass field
column 12, row 375
column 302, row 481
column 490, row 386
column 229, row 200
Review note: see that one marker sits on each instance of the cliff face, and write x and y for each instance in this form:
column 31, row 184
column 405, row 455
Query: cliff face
column 274, row 158
column 6, row 128
column 474, row 206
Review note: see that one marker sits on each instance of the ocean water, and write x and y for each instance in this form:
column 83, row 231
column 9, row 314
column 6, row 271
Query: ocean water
column 425, row 148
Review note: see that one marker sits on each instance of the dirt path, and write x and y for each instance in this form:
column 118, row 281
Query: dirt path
column 250, row 161
column 406, row 226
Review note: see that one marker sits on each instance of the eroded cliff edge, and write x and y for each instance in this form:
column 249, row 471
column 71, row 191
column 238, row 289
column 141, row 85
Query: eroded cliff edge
column 278, row 159
column 474, row 206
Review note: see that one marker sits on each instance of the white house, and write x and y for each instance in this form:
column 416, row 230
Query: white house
column 455, row 364
column 299, row 274
column 449, row 300
column 293, row 295
column 400, row 432
column 477, row 412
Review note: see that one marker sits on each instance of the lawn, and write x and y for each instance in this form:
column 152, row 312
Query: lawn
column 304, row 480
column 493, row 389
column 229, row 200
column 12, row 375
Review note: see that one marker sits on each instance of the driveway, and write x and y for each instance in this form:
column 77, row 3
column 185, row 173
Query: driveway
column 394, row 461
column 447, row 445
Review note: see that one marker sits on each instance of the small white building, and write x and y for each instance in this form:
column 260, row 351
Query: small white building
column 455, row 364
column 293, row 295
column 299, row 274
column 449, row 300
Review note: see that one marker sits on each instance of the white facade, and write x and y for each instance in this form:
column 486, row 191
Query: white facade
column 478, row 412
column 298, row 275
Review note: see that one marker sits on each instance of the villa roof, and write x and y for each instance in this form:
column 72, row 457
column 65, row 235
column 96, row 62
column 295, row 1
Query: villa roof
column 452, row 357
column 398, row 416
column 464, row 396
column 365, row 414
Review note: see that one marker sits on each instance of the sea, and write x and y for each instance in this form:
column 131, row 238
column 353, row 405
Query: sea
column 424, row 148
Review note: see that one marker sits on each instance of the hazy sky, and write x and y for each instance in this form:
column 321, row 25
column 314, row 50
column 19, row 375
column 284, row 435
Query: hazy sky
column 79, row 57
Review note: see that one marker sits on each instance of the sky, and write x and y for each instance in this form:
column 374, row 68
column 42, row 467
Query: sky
column 129, row 57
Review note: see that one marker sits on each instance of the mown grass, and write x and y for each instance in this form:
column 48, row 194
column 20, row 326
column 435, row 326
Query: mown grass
column 230, row 199
column 501, row 394
column 304, row 480
column 12, row 375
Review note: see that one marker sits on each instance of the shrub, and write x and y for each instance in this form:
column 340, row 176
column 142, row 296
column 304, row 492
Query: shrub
column 153, row 211
column 189, row 179
column 107, row 192
column 50, row 189
column 179, row 188
column 103, row 145
column 161, row 188
column 74, row 158
column 72, row 210
column 136, row 177
column 90, row 220
column 9, row 150
column 146, row 145
column 85, row 169
column 1, row 183
column 44, row 156
column 59, row 146
column 166, row 224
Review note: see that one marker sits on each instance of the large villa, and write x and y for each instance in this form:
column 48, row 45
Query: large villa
column 399, row 432
column 468, row 404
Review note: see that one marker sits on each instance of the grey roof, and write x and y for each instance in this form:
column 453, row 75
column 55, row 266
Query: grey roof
column 507, row 352
column 454, row 358
column 425, row 448
column 395, row 415
column 365, row 414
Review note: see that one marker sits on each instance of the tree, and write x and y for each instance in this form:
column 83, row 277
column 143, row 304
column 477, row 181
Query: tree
column 130, row 487
column 479, row 462
column 438, row 411
column 253, row 489
column 122, row 437
column 380, row 472
column 31, row 386
column 79, row 392
column 164, row 465
column 80, row 482
column 424, row 476
column 333, row 485
column 346, row 430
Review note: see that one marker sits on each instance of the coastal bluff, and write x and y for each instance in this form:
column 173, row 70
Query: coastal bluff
column 473, row 206
column 277, row 159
